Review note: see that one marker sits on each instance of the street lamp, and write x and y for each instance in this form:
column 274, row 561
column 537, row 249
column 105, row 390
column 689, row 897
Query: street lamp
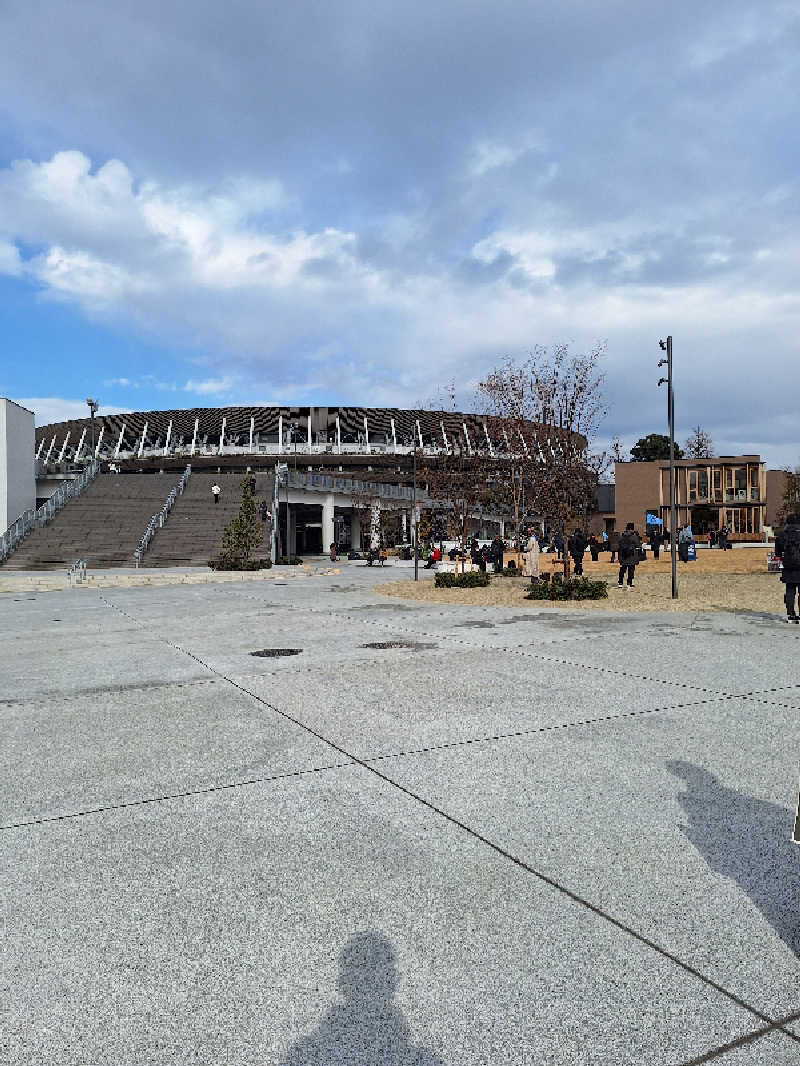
column 411, row 442
column 673, row 519
column 93, row 406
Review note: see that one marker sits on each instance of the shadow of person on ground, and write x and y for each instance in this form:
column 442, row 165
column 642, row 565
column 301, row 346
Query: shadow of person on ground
column 366, row 1027
column 747, row 840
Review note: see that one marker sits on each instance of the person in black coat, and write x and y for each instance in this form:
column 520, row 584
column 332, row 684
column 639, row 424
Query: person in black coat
column 629, row 544
column 576, row 546
column 655, row 542
column 787, row 549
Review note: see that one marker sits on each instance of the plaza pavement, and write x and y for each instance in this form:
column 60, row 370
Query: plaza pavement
column 530, row 837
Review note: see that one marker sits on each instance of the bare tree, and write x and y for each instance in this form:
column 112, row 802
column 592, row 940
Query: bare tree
column 699, row 444
column 790, row 503
column 548, row 409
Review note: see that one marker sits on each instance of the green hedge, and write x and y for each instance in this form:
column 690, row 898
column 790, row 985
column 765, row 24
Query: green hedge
column 251, row 564
column 293, row 560
column 473, row 579
column 575, row 588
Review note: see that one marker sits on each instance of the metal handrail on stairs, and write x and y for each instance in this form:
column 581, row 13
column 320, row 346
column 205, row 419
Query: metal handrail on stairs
column 35, row 519
column 158, row 520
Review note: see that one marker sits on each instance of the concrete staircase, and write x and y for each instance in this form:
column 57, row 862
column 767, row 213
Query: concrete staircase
column 103, row 525
column 193, row 532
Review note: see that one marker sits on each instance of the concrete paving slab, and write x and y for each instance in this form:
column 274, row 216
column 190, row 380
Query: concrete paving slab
column 677, row 823
column 124, row 746
column 326, row 920
column 397, row 700
column 732, row 662
column 773, row 1049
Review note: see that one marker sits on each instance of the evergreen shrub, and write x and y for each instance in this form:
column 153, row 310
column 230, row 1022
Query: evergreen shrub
column 575, row 588
column 473, row 579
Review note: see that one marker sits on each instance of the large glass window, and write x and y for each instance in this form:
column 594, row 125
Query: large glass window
column 717, row 477
column 702, row 484
column 740, row 482
column 755, row 491
column 692, row 486
column 728, row 483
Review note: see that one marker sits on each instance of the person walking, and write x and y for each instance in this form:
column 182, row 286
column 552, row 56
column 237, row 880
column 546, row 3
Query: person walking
column 613, row 544
column 576, row 546
column 558, row 545
column 530, row 567
column 723, row 538
column 787, row 549
column 263, row 510
column 215, row 491
column 629, row 544
column 252, row 484
column 497, row 554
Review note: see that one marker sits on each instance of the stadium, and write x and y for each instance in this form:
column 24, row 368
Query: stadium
column 124, row 470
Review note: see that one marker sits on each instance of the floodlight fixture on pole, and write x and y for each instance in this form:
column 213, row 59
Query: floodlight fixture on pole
column 93, row 406
column 673, row 510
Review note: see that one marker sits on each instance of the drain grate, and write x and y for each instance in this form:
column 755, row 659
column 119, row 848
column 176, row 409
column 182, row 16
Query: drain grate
column 275, row 653
column 383, row 645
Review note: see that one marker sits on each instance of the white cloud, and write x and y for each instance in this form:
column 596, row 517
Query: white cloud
column 209, row 387
column 10, row 259
column 59, row 409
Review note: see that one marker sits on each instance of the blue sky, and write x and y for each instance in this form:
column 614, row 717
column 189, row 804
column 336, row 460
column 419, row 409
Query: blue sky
column 207, row 204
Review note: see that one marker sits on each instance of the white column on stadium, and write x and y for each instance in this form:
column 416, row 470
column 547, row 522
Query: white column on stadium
column 194, row 436
column 469, row 442
column 252, row 427
column 280, row 434
column 508, row 446
column 524, row 445
column 375, row 524
column 419, row 434
column 63, row 448
column 141, row 442
column 169, row 435
column 338, row 435
column 444, row 437
column 39, row 449
column 308, row 425
column 222, row 437
column 488, row 440
column 79, row 449
column 49, row 450
column 328, row 525
column 394, row 434
column 366, row 432
column 119, row 442
column 99, row 441
column 404, row 520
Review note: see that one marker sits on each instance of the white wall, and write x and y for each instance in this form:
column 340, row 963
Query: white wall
column 17, row 475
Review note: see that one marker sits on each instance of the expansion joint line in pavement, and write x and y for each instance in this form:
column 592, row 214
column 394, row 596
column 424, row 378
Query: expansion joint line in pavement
column 745, row 1040
column 146, row 800
column 520, row 650
column 574, row 897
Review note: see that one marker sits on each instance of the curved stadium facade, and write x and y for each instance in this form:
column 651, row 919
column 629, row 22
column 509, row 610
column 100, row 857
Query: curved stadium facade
column 264, row 431
column 336, row 458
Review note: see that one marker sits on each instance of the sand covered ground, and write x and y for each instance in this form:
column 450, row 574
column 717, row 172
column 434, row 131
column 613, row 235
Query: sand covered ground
column 735, row 580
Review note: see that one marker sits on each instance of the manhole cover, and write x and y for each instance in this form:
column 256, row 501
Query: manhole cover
column 275, row 653
column 383, row 645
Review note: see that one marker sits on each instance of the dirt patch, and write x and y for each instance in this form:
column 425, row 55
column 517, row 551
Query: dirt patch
column 701, row 588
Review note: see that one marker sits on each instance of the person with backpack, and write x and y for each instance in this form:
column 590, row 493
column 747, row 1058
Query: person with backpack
column 629, row 544
column 684, row 540
column 723, row 538
column 787, row 549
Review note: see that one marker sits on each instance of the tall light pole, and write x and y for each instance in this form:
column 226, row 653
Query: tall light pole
column 413, row 444
column 93, row 405
column 673, row 510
